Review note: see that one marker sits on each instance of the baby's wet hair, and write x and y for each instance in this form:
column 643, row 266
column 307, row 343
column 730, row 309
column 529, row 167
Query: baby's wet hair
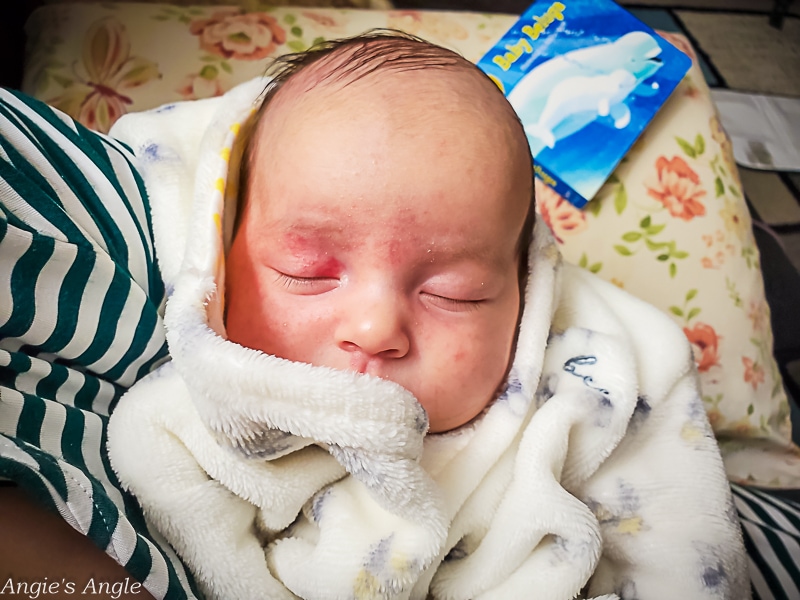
column 348, row 60
column 378, row 50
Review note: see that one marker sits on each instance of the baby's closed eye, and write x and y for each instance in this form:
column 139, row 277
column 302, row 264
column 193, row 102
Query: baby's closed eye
column 448, row 302
column 306, row 285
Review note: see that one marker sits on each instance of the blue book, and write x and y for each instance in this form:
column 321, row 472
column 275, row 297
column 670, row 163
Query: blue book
column 585, row 77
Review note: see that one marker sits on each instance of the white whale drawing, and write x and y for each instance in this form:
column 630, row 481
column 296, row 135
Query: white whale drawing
column 566, row 93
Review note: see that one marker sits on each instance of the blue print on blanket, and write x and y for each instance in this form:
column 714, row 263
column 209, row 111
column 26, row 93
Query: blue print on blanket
column 513, row 395
column 547, row 388
column 623, row 514
column 151, row 152
column 576, row 550
column 572, row 367
column 269, row 443
column 261, row 442
column 514, row 384
column 379, row 576
column 318, row 503
column 421, row 421
column 711, row 570
column 696, row 430
column 697, row 411
column 640, row 413
column 379, row 554
column 583, row 367
column 627, row 590
column 577, row 367
column 594, row 374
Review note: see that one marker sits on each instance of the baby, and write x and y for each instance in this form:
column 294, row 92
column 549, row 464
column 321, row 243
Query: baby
column 384, row 383
column 388, row 235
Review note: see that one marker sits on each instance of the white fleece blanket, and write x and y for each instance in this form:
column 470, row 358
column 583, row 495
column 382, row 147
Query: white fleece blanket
column 594, row 473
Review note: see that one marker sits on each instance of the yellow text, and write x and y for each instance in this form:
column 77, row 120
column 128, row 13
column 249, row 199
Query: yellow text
column 543, row 175
column 532, row 32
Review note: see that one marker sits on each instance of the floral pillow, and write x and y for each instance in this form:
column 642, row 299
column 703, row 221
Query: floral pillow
column 671, row 225
column 255, row 5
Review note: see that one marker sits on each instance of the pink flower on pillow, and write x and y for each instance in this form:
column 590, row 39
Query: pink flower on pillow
column 231, row 34
column 758, row 313
column 561, row 217
column 678, row 188
column 705, row 345
column 753, row 372
column 205, row 84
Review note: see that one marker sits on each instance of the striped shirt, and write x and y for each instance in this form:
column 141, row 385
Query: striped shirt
column 80, row 321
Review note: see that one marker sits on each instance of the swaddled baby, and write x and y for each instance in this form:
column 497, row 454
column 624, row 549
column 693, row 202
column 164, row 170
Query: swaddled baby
column 384, row 383
column 387, row 211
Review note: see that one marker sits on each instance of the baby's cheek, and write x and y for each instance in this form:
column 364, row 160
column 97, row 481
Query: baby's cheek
column 293, row 330
column 460, row 356
column 251, row 319
column 469, row 353
column 245, row 327
column 490, row 352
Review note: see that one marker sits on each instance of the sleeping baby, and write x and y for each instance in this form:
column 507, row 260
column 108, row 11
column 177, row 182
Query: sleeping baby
column 383, row 382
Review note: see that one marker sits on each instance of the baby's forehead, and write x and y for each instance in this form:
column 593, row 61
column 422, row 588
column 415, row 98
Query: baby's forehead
column 405, row 74
column 344, row 94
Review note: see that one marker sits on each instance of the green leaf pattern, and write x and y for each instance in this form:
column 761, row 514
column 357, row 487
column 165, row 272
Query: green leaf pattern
column 644, row 237
column 686, row 312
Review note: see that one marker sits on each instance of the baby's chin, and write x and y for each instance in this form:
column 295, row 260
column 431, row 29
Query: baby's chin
column 448, row 422
column 444, row 413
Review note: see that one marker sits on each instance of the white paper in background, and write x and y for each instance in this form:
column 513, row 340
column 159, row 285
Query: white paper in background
column 765, row 130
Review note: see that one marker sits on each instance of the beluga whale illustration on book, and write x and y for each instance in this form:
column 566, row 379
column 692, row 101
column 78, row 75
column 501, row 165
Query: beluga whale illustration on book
column 585, row 77
column 564, row 94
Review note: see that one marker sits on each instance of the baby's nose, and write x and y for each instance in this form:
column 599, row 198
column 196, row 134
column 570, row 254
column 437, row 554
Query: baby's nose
column 376, row 328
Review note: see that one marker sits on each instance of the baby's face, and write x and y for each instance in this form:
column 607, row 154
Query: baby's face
column 384, row 245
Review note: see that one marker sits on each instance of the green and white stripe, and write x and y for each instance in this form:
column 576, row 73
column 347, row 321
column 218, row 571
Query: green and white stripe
column 771, row 527
column 81, row 303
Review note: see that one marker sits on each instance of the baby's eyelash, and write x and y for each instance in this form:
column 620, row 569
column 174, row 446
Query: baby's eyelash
column 291, row 281
column 454, row 303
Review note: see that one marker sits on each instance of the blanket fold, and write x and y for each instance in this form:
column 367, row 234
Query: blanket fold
column 594, row 472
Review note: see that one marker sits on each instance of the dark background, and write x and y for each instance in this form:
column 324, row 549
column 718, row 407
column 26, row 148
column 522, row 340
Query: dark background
column 13, row 14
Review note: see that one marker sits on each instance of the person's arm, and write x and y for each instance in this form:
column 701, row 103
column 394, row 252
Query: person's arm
column 38, row 548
